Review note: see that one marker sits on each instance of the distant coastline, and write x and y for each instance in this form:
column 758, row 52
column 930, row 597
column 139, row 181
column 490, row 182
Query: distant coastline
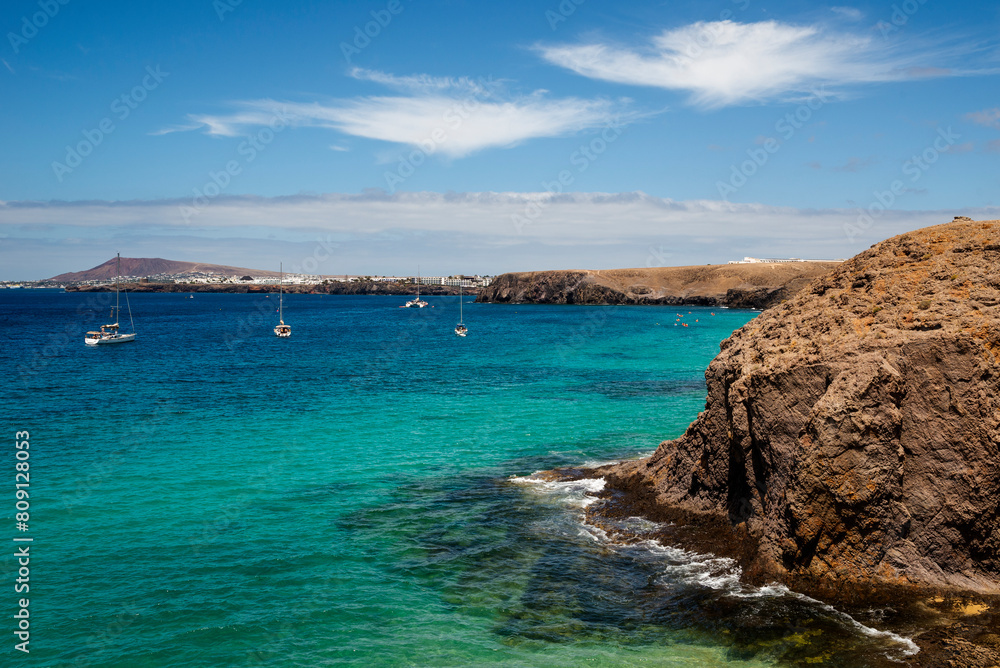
column 325, row 288
column 757, row 285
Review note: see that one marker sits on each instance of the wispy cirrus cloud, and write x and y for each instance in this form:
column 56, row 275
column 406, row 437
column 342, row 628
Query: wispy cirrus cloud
column 964, row 147
column 988, row 117
column 451, row 116
column 849, row 13
column 725, row 63
column 856, row 164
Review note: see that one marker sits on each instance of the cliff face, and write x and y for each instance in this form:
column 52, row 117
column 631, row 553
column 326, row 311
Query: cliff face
column 854, row 431
column 738, row 286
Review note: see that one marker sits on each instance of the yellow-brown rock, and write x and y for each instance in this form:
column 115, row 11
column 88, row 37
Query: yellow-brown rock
column 854, row 430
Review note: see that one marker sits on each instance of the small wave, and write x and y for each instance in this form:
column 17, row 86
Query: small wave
column 595, row 463
column 577, row 493
column 691, row 568
column 775, row 590
column 595, row 534
column 911, row 647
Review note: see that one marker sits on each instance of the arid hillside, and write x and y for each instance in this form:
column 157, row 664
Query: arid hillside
column 735, row 285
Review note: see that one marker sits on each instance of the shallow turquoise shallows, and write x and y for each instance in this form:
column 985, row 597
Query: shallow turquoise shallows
column 211, row 495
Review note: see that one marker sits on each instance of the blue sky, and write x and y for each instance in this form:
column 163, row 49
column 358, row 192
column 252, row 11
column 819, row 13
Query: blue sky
column 369, row 137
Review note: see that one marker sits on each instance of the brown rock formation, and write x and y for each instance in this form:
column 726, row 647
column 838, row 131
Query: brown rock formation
column 854, row 431
column 735, row 285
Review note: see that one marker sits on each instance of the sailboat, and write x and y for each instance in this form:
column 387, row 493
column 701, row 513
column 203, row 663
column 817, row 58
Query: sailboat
column 109, row 333
column 460, row 328
column 282, row 330
column 416, row 302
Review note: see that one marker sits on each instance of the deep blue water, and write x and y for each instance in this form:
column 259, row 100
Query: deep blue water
column 210, row 495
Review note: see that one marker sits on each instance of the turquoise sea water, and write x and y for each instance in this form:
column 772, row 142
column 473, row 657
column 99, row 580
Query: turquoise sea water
column 360, row 493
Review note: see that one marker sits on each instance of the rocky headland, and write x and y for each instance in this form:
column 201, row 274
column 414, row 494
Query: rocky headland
column 733, row 285
column 850, row 441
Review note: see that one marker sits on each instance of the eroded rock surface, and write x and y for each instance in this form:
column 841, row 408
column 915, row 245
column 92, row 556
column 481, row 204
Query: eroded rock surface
column 854, row 430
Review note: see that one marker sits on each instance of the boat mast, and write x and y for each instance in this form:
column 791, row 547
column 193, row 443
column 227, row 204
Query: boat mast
column 118, row 272
column 281, row 294
column 461, row 319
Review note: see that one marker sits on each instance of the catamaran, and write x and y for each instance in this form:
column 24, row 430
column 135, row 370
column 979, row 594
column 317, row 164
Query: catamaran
column 109, row 333
column 416, row 302
column 281, row 329
column 460, row 328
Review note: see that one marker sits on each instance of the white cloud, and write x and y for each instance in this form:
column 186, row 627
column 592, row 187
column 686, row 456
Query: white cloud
column 424, row 83
column 856, row 164
column 849, row 13
column 988, row 117
column 447, row 116
column 725, row 63
column 375, row 232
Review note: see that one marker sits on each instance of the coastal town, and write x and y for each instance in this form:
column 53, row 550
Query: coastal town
column 226, row 278
column 208, row 279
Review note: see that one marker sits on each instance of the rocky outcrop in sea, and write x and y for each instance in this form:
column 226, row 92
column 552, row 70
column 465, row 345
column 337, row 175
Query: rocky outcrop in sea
column 852, row 433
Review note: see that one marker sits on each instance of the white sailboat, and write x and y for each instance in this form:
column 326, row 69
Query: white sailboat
column 109, row 334
column 281, row 330
column 416, row 302
column 460, row 328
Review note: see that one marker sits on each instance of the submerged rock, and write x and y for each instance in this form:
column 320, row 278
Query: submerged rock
column 853, row 432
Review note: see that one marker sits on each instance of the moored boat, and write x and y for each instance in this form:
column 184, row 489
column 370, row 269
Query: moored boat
column 460, row 328
column 281, row 330
column 416, row 302
column 110, row 334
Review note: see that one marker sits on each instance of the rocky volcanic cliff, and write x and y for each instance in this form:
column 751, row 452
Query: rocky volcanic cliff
column 734, row 285
column 854, row 431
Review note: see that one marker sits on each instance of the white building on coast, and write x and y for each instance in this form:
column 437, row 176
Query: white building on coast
column 774, row 260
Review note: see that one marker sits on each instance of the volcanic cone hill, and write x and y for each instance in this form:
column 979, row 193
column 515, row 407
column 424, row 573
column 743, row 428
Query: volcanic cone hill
column 853, row 432
column 151, row 266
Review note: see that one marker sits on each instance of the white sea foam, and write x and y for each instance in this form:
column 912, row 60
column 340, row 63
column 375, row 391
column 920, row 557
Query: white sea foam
column 691, row 568
column 911, row 647
column 577, row 493
column 775, row 590
column 596, row 534
column 594, row 463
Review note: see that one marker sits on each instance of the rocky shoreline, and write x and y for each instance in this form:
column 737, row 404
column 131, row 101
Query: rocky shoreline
column 732, row 285
column 954, row 629
column 850, row 444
